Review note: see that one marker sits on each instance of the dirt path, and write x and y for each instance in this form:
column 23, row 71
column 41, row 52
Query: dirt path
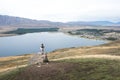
column 90, row 56
column 111, row 57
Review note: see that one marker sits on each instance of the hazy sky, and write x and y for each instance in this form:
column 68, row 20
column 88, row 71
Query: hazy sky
column 63, row 10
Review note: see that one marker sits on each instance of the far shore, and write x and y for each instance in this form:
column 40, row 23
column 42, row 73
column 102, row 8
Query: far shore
column 110, row 36
column 13, row 31
column 6, row 29
column 6, row 35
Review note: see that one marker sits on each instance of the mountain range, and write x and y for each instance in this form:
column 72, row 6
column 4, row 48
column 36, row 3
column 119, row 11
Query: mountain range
column 11, row 21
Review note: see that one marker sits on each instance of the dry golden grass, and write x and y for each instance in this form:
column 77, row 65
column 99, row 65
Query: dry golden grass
column 7, row 63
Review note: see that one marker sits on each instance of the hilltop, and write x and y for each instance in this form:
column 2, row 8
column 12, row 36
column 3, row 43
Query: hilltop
column 100, row 62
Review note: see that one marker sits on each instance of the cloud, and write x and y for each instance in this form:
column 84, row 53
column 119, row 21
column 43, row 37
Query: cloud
column 62, row 10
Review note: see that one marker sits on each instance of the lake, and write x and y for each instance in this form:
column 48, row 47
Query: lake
column 30, row 43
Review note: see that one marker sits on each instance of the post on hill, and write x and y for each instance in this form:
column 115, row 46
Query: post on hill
column 44, row 55
column 40, row 57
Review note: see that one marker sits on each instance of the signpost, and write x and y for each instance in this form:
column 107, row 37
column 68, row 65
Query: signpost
column 44, row 55
column 40, row 57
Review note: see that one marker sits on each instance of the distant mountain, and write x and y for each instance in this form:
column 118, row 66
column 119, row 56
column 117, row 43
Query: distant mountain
column 93, row 23
column 24, row 22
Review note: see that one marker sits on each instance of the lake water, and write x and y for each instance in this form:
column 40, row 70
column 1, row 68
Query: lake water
column 30, row 43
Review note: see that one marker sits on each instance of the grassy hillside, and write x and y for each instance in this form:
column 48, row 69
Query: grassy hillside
column 72, row 69
column 10, row 63
column 85, row 63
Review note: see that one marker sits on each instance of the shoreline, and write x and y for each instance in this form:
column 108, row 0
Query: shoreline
column 110, row 36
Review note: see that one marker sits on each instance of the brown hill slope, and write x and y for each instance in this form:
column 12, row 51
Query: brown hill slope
column 72, row 69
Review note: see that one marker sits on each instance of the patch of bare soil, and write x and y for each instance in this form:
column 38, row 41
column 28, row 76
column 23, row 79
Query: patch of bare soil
column 51, row 71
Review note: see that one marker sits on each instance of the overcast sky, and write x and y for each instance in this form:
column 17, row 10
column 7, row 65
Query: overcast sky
column 63, row 10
